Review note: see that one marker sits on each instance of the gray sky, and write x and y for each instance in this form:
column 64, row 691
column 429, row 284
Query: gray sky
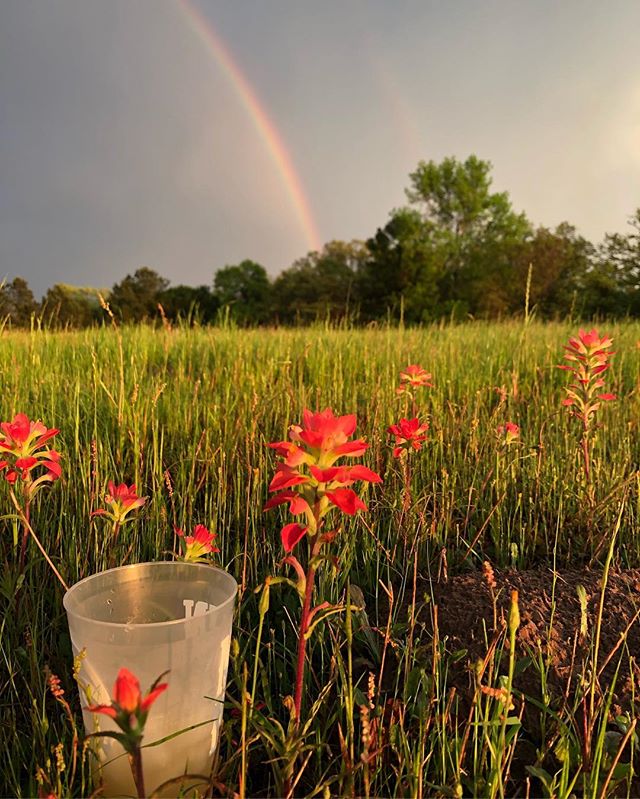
column 126, row 139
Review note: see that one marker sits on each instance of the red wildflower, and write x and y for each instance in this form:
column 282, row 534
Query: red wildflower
column 327, row 436
column 129, row 709
column 23, row 436
column 307, row 477
column 23, row 441
column 409, row 434
column 198, row 545
column 413, row 376
column 588, row 354
column 123, row 500
column 508, row 432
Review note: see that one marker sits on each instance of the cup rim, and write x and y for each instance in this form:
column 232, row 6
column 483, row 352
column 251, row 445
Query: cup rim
column 154, row 624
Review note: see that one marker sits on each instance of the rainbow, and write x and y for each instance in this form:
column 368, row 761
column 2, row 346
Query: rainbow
column 263, row 124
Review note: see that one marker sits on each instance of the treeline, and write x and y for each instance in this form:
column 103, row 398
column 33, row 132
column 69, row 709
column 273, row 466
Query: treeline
column 456, row 250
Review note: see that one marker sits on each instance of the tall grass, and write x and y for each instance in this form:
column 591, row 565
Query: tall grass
column 186, row 415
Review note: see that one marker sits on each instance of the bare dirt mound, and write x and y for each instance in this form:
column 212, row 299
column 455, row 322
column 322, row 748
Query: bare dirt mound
column 551, row 620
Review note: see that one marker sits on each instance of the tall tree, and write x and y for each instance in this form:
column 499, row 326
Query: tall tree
column 469, row 227
column 17, row 303
column 401, row 271
column 70, row 306
column 190, row 303
column 136, row 297
column 551, row 265
column 622, row 255
column 321, row 285
column 245, row 290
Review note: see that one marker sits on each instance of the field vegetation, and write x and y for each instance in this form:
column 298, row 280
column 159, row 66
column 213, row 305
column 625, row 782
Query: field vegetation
column 392, row 706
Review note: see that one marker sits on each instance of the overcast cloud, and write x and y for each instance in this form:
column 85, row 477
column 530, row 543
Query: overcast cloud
column 123, row 141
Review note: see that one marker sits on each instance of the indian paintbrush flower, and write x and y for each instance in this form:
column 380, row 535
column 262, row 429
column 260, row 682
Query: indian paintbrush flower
column 409, row 435
column 129, row 710
column 310, row 481
column 23, row 455
column 198, row 545
column 307, row 477
column 123, row 499
column 588, row 354
column 413, row 376
column 508, row 433
column 22, row 449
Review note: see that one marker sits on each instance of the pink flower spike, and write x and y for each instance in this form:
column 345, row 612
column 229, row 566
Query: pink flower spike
column 24, row 441
column 589, row 355
column 415, row 375
column 308, row 479
column 17, row 431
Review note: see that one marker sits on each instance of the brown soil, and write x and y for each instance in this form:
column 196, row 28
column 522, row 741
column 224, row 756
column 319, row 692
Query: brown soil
column 550, row 622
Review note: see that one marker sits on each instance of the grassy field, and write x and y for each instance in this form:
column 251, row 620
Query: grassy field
column 186, row 414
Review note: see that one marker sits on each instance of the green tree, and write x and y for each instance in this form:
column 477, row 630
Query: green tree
column 71, row 306
column 621, row 255
column 557, row 262
column 187, row 302
column 17, row 303
column 245, row 290
column 470, row 228
column 402, row 271
column 136, row 297
column 321, row 285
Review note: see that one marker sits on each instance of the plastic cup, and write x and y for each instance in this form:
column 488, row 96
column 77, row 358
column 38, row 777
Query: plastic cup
column 150, row 618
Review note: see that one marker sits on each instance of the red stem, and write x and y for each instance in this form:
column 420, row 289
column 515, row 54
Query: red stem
column 302, row 641
column 135, row 758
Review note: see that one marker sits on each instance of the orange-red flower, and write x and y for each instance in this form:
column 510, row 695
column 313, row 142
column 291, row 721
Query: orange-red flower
column 23, row 436
column 308, row 478
column 198, row 545
column 123, row 500
column 508, row 432
column 588, row 354
column 128, row 708
column 413, row 376
column 22, row 443
column 409, row 435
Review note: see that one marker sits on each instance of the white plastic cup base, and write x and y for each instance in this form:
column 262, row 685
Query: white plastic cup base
column 151, row 618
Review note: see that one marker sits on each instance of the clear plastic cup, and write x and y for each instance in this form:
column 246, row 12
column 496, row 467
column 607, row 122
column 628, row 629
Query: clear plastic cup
column 150, row 618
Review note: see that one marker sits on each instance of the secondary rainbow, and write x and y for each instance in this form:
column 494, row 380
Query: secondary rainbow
column 263, row 124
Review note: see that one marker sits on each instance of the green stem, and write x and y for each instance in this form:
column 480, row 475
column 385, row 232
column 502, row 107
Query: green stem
column 25, row 530
column 254, row 680
column 29, row 528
